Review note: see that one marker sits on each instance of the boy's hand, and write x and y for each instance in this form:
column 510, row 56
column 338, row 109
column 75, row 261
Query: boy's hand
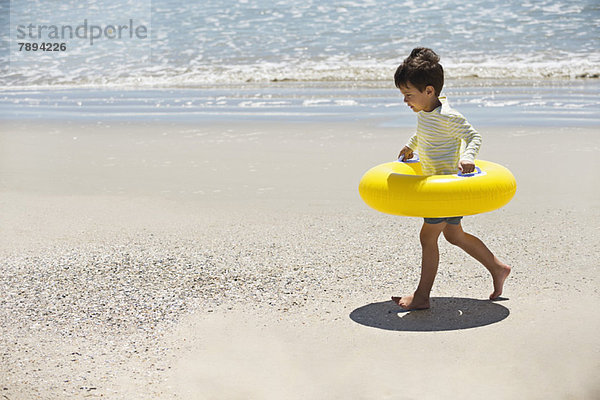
column 466, row 167
column 406, row 152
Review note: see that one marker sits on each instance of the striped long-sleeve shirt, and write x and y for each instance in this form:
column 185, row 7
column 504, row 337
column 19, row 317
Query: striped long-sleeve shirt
column 438, row 140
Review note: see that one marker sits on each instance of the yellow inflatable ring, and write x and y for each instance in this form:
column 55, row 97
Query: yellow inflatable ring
column 399, row 188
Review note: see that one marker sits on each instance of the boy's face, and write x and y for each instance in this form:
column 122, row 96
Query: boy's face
column 417, row 100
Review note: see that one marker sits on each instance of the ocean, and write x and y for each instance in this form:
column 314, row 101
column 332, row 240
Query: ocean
column 177, row 59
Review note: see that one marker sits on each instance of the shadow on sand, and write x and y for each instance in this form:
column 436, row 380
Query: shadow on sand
column 445, row 314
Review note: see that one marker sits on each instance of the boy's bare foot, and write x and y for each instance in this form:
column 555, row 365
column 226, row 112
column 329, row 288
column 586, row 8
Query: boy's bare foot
column 499, row 276
column 411, row 303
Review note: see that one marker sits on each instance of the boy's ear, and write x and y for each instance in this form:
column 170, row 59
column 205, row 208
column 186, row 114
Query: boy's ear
column 429, row 90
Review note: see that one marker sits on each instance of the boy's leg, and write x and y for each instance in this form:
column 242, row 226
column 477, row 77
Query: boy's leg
column 429, row 265
column 478, row 250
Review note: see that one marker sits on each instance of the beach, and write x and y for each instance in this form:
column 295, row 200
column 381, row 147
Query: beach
column 233, row 258
column 180, row 216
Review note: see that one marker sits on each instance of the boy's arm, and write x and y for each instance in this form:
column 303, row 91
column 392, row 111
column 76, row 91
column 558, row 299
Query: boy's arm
column 461, row 128
column 407, row 150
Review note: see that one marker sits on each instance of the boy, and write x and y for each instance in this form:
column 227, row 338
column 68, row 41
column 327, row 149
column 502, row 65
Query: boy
column 440, row 131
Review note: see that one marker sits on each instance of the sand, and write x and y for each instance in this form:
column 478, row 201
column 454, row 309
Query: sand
column 236, row 260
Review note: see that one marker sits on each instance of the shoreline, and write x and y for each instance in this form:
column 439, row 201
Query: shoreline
column 533, row 81
column 547, row 103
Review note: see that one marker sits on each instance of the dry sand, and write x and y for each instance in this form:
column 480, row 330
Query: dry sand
column 236, row 261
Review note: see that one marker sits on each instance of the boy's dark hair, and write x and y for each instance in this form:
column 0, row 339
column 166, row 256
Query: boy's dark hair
column 421, row 69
